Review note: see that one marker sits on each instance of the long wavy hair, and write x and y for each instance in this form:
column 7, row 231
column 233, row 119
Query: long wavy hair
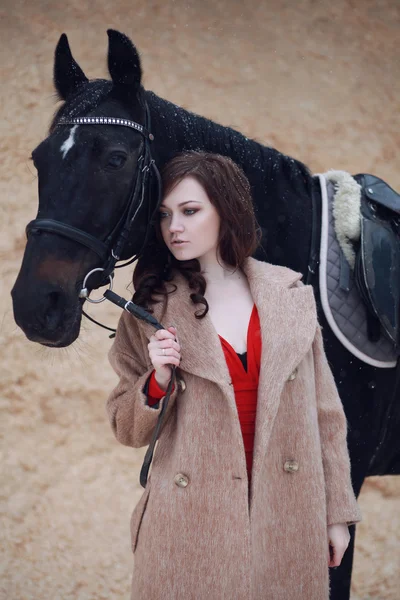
column 228, row 189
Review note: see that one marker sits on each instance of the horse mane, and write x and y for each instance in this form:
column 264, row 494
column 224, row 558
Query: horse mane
column 186, row 130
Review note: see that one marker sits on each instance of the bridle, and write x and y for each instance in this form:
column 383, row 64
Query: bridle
column 111, row 249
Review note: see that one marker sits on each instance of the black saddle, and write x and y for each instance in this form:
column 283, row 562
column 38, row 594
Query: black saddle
column 377, row 266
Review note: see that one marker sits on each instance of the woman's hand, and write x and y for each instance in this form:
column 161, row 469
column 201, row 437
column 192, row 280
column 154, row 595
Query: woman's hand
column 164, row 350
column 338, row 537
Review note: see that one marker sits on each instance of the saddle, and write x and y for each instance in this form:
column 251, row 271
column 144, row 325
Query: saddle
column 360, row 265
column 377, row 268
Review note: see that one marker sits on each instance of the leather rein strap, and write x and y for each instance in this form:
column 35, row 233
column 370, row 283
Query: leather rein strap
column 112, row 248
column 142, row 314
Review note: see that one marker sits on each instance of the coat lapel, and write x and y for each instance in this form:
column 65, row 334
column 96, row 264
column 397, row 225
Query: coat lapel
column 201, row 349
column 288, row 321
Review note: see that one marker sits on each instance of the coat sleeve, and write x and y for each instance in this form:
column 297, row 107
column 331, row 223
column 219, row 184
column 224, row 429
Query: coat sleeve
column 341, row 502
column 132, row 419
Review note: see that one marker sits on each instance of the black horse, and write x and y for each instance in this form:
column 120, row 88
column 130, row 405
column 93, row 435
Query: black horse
column 93, row 178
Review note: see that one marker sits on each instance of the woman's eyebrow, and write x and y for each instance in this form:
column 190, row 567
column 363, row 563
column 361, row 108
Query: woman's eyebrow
column 181, row 203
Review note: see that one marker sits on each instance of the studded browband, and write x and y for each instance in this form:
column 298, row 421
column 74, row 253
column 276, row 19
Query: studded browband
column 106, row 121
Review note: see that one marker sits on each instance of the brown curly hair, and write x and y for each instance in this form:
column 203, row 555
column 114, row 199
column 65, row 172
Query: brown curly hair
column 228, row 189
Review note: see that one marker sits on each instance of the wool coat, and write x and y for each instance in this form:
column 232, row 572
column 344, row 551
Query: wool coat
column 198, row 532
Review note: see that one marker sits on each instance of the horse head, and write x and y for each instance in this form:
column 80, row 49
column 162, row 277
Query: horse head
column 91, row 170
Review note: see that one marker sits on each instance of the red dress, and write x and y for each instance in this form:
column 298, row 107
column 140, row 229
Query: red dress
column 245, row 384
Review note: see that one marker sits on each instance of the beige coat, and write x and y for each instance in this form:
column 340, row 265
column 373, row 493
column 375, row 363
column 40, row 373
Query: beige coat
column 196, row 534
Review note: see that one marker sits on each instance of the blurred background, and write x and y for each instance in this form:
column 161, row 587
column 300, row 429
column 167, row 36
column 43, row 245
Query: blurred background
column 317, row 80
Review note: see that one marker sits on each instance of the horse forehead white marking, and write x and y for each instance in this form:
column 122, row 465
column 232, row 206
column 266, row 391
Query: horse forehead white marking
column 69, row 142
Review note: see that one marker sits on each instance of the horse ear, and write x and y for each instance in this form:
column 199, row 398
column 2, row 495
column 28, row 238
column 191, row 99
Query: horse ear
column 123, row 63
column 68, row 75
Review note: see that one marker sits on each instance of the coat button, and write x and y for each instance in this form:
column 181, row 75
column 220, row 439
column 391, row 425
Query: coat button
column 293, row 375
column 182, row 385
column 181, row 480
column 291, row 466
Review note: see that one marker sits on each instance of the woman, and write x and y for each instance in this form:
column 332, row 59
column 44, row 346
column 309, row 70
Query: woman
column 236, row 507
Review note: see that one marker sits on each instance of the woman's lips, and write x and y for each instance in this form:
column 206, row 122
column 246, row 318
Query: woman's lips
column 179, row 243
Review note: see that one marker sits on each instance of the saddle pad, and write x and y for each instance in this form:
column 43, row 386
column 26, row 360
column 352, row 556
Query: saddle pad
column 344, row 309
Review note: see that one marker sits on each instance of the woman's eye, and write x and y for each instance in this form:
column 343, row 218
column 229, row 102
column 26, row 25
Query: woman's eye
column 187, row 211
column 116, row 161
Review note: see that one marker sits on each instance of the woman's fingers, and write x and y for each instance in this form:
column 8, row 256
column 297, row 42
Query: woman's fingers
column 337, row 548
column 165, row 344
column 332, row 556
column 338, row 538
column 164, row 361
column 162, row 334
column 336, row 555
column 165, row 339
column 165, row 353
column 159, row 360
column 164, row 348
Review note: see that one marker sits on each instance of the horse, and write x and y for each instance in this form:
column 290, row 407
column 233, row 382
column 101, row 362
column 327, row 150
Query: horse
column 98, row 193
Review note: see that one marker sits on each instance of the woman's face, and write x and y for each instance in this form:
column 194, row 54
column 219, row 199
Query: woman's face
column 187, row 214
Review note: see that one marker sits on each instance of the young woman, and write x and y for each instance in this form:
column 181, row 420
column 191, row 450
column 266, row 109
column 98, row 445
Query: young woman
column 250, row 495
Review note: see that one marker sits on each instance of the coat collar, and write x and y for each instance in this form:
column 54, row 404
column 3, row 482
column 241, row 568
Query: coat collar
column 288, row 321
column 286, row 317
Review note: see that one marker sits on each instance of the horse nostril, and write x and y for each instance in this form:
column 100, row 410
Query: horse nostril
column 53, row 312
column 54, row 297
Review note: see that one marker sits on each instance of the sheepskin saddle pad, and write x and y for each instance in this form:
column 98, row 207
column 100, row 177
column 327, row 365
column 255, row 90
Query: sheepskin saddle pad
column 359, row 272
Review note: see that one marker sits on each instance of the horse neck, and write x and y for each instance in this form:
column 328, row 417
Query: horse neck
column 178, row 129
column 281, row 185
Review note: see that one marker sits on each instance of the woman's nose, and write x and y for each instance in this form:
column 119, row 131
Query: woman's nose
column 175, row 225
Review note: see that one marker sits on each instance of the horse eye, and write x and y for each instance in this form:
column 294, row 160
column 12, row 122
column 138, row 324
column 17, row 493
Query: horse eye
column 116, row 160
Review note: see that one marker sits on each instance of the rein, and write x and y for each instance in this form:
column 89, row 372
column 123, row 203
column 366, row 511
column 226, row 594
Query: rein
column 142, row 314
column 110, row 250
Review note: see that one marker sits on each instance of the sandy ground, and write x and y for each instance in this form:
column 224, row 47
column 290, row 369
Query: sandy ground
column 318, row 80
